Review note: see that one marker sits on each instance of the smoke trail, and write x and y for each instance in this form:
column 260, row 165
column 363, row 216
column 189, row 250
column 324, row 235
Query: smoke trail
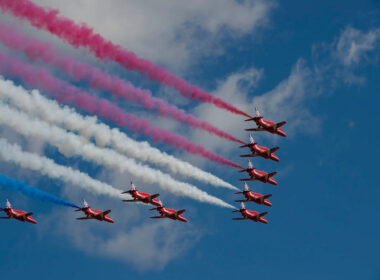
column 83, row 36
column 13, row 184
column 13, row 153
column 70, row 94
column 46, row 52
column 49, row 111
column 70, row 144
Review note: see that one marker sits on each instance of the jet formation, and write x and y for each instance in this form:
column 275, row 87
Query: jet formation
column 256, row 151
column 254, row 174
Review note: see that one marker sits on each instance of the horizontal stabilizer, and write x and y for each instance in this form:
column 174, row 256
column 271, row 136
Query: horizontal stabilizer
column 246, row 145
column 28, row 214
column 241, row 201
column 243, row 170
column 280, row 124
column 238, row 219
column 4, row 217
column 83, row 218
column 129, row 200
column 157, row 217
column 272, row 174
column 238, row 192
column 248, row 179
column 129, row 191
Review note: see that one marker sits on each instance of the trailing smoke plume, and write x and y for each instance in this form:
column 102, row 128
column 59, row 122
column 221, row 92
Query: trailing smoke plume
column 37, row 50
column 15, row 185
column 49, row 110
column 79, row 35
column 70, row 144
column 67, row 93
column 13, row 153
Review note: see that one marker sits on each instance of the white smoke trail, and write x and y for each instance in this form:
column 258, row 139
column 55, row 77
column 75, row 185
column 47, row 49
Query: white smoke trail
column 70, row 144
column 13, row 153
column 50, row 111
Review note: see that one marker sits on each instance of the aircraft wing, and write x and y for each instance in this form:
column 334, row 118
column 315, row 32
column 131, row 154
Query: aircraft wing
column 179, row 212
column 250, row 155
column 248, row 179
column 84, row 218
column 255, row 129
column 154, row 196
column 274, row 149
column 103, row 214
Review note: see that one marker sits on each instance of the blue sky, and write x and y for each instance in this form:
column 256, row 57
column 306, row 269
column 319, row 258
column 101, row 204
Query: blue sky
column 297, row 63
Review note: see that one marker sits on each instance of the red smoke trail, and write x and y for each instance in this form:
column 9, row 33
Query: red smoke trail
column 66, row 93
column 83, row 36
column 35, row 49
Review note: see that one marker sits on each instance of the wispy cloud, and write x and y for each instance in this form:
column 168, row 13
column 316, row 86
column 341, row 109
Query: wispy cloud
column 354, row 45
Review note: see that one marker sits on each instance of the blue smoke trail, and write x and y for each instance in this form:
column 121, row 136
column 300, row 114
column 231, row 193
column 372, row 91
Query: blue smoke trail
column 16, row 185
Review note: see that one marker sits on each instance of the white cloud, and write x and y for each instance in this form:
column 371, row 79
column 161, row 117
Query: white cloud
column 174, row 33
column 353, row 45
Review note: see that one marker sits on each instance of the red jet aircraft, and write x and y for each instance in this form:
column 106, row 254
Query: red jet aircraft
column 254, row 197
column 94, row 214
column 260, row 151
column 264, row 125
column 258, row 175
column 17, row 214
column 142, row 196
column 251, row 215
column 169, row 213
